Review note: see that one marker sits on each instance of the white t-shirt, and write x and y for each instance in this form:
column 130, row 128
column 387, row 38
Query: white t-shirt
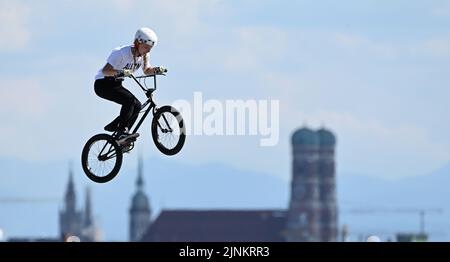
column 121, row 58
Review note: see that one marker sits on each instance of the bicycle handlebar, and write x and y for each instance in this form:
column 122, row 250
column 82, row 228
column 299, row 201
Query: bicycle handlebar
column 145, row 76
column 145, row 89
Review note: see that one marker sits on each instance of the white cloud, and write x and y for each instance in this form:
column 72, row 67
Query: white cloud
column 24, row 111
column 349, row 40
column 362, row 45
column 441, row 11
column 13, row 26
column 124, row 5
column 184, row 18
column 436, row 47
column 255, row 48
column 22, row 97
column 323, row 87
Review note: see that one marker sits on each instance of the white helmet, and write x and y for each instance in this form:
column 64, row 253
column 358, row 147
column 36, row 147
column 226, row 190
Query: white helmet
column 147, row 36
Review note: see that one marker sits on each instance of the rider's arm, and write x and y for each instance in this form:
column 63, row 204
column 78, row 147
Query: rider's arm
column 148, row 69
column 108, row 70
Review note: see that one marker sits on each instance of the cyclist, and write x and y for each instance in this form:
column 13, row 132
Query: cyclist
column 122, row 62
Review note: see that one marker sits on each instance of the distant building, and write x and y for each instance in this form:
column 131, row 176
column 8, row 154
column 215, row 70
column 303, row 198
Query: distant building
column 217, row 226
column 312, row 213
column 31, row 239
column 411, row 237
column 139, row 210
column 73, row 222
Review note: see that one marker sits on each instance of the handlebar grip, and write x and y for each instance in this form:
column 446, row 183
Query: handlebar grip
column 159, row 70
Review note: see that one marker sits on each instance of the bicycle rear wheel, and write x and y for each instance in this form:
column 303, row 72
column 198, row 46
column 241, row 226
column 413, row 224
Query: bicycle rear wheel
column 168, row 130
column 101, row 158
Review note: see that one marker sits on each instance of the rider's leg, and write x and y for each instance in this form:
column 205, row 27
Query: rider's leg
column 137, row 106
column 114, row 91
column 129, row 111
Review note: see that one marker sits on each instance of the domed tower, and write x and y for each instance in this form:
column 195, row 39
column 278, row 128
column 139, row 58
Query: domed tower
column 140, row 210
column 303, row 213
column 327, row 185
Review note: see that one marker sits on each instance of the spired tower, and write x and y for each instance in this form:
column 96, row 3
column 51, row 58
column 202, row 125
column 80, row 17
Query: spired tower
column 327, row 181
column 88, row 220
column 90, row 231
column 304, row 207
column 70, row 219
column 140, row 210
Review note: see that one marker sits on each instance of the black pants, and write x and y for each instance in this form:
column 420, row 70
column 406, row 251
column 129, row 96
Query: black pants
column 112, row 89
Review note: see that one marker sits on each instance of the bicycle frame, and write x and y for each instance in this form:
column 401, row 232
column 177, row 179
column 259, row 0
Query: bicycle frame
column 149, row 94
column 152, row 107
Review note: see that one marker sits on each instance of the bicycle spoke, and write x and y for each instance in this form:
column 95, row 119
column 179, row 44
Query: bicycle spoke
column 168, row 130
column 101, row 167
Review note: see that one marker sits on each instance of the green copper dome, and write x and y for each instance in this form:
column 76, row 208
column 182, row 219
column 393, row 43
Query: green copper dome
column 306, row 137
column 326, row 138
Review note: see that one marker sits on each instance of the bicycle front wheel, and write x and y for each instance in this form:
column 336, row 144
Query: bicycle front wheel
column 101, row 158
column 168, row 130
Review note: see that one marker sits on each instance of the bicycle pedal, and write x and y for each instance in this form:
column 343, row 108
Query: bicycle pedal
column 132, row 136
column 128, row 139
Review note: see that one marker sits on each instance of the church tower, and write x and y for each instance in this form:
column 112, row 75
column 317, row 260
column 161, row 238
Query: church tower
column 70, row 219
column 327, row 182
column 88, row 220
column 140, row 209
column 303, row 218
column 89, row 233
column 312, row 214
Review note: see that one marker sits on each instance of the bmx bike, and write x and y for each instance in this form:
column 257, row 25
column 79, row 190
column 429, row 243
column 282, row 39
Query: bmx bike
column 102, row 154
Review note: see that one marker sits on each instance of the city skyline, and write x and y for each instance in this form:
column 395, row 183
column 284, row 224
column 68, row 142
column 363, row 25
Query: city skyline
column 313, row 198
column 271, row 194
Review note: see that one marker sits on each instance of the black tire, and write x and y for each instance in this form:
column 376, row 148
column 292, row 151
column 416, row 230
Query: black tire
column 91, row 162
column 168, row 142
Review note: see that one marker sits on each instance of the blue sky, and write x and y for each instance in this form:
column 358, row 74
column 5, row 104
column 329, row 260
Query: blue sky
column 374, row 72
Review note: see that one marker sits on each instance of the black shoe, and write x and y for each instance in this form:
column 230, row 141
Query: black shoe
column 111, row 127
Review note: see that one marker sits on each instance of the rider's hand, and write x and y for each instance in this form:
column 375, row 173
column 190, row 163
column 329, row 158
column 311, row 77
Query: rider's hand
column 159, row 70
column 127, row 72
column 123, row 73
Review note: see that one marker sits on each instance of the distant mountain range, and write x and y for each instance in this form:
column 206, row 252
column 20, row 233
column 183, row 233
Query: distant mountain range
column 170, row 185
column 374, row 205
